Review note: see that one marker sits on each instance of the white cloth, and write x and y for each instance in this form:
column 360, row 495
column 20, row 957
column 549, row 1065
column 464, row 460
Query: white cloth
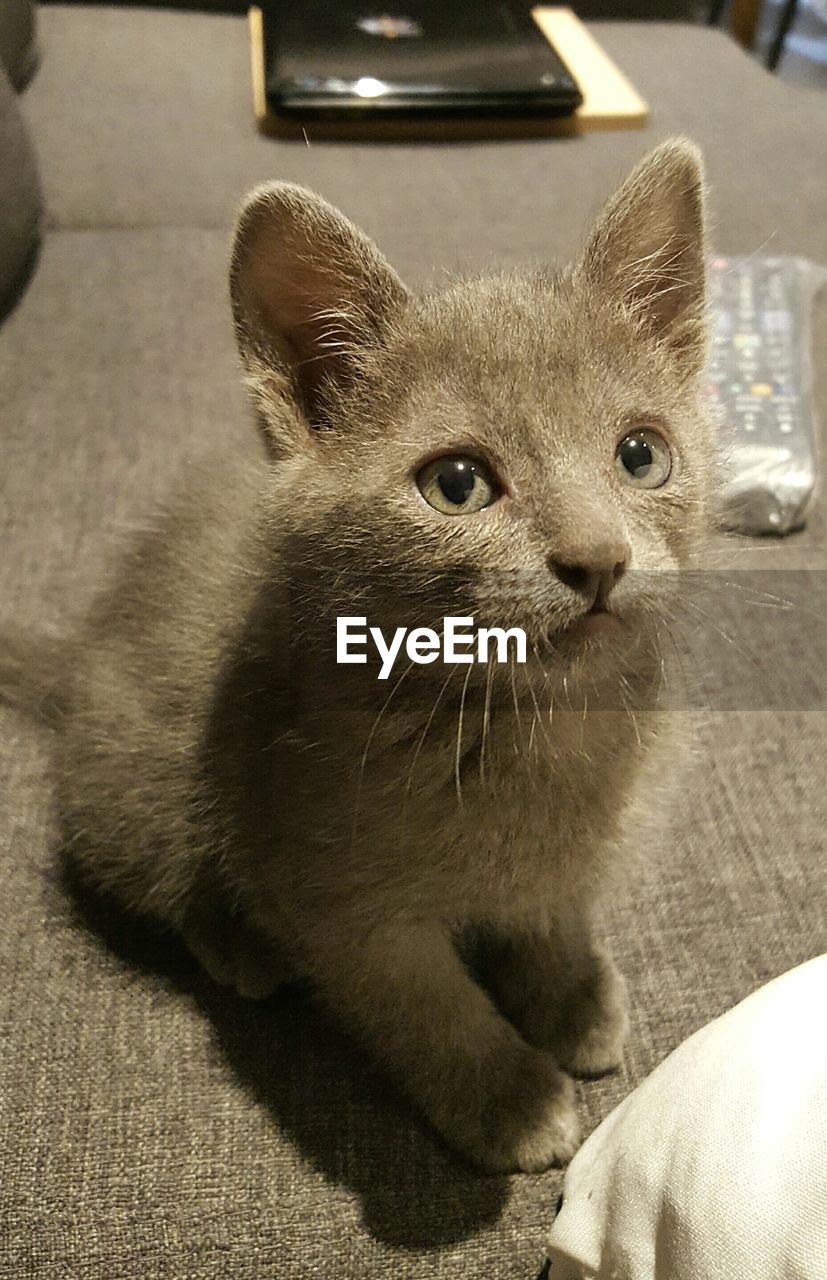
column 715, row 1167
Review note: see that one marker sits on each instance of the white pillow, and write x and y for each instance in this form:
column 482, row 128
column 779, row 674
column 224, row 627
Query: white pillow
column 715, row 1168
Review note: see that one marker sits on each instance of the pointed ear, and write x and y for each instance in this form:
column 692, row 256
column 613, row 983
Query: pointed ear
column 648, row 249
column 309, row 293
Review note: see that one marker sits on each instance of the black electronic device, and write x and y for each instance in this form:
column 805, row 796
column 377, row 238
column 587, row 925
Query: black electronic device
column 353, row 59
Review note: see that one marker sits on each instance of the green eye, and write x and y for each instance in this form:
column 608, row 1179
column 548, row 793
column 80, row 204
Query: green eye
column 457, row 486
column 644, row 459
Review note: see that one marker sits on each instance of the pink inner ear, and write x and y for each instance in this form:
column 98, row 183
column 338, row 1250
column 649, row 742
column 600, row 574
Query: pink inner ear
column 298, row 324
column 667, row 279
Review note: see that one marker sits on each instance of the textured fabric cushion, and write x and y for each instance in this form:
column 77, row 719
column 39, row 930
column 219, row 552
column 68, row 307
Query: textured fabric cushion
column 158, row 128
column 151, row 1128
column 19, row 195
column 717, row 1164
column 18, row 52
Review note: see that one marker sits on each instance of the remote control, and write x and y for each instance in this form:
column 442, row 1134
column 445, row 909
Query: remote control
column 760, row 376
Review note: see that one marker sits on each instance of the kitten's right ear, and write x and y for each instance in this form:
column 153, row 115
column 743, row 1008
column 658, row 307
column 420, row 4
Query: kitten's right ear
column 648, row 250
column 310, row 293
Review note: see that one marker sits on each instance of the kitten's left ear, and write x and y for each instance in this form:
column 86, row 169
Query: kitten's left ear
column 648, row 249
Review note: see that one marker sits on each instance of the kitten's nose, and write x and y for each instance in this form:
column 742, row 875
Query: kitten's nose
column 594, row 576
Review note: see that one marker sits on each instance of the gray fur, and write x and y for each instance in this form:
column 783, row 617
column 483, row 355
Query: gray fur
column 292, row 817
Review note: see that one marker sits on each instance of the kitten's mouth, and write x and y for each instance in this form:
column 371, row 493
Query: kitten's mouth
column 593, row 624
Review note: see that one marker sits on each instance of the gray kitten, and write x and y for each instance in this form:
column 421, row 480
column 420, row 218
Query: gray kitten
column 528, row 449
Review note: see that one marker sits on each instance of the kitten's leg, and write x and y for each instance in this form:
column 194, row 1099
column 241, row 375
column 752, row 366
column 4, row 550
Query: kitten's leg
column 501, row 1102
column 594, row 1018
column 233, row 952
column 566, row 995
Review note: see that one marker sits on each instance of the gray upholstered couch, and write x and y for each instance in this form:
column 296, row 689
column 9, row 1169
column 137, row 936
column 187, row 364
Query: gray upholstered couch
column 149, row 1126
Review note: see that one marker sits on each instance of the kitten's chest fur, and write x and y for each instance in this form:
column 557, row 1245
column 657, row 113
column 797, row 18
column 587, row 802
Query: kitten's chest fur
column 491, row 807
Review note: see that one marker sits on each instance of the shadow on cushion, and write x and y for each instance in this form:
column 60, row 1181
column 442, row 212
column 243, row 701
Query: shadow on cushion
column 322, row 1092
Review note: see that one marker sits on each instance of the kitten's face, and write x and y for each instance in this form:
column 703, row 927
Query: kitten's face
column 530, row 450
column 498, row 436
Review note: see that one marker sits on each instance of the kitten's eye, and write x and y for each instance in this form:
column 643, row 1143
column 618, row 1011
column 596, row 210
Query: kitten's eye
column 644, row 459
column 457, row 486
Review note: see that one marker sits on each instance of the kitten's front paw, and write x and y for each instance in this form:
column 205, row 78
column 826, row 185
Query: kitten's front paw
column 236, row 955
column 594, row 1022
column 522, row 1120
